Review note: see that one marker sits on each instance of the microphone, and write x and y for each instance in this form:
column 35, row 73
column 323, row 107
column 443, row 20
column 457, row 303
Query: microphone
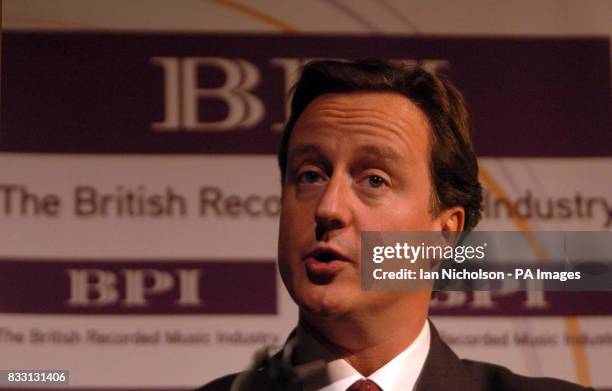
column 280, row 372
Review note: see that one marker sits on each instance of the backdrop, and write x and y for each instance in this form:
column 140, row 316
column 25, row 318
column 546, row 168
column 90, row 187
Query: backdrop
column 139, row 192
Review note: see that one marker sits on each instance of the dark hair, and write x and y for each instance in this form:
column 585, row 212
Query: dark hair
column 453, row 165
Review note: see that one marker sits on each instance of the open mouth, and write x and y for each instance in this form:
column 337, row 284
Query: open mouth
column 324, row 264
column 325, row 256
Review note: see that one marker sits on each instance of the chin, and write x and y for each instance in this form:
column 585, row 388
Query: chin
column 323, row 301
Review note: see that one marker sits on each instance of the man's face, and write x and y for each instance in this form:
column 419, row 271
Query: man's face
column 356, row 162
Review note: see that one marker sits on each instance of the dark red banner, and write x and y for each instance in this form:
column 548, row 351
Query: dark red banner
column 530, row 303
column 205, row 93
column 146, row 287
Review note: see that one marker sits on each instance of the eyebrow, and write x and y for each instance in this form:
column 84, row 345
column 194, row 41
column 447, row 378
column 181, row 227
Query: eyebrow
column 381, row 152
column 304, row 149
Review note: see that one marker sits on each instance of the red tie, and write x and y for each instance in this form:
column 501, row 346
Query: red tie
column 364, row 385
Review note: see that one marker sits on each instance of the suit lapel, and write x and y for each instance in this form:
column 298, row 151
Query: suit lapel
column 443, row 370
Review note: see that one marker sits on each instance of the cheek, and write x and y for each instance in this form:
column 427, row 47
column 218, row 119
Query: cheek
column 296, row 215
column 401, row 214
column 286, row 216
column 291, row 228
column 284, row 250
column 284, row 239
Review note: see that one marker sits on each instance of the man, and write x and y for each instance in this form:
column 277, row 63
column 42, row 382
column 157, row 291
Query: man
column 371, row 146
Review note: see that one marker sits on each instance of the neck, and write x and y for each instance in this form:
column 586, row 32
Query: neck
column 367, row 341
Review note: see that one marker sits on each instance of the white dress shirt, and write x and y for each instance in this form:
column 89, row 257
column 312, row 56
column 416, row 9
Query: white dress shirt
column 401, row 373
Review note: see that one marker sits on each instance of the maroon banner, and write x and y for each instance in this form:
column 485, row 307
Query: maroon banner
column 146, row 287
column 208, row 287
column 206, row 93
column 531, row 303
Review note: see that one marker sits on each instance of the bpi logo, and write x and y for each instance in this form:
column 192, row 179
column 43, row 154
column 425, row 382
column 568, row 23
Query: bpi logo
column 486, row 300
column 102, row 288
column 245, row 110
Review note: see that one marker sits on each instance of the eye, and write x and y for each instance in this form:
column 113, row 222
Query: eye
column 376, row 181
column 309, row 177
column 373, row 180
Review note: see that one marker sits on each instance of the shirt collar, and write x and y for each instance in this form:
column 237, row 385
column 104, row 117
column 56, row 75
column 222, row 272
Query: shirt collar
column 401, row 373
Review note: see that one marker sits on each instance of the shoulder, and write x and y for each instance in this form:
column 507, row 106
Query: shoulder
column 221, row 384
column 464, row 375
column 495, row 377
column 266, row 375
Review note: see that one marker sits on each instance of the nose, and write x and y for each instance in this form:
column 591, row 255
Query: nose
column 333, row 209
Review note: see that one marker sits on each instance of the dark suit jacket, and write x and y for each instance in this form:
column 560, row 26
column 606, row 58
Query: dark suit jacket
column 443, row 371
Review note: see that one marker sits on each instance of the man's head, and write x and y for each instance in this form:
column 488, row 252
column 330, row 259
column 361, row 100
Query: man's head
column 369, row 146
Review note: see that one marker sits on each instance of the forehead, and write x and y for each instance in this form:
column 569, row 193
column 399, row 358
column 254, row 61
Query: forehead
column 364, row 117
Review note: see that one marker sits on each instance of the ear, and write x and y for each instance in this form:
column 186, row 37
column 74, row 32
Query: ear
column 452, row 219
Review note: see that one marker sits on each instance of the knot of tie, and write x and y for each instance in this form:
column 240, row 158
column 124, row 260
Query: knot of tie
column 364, row 385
